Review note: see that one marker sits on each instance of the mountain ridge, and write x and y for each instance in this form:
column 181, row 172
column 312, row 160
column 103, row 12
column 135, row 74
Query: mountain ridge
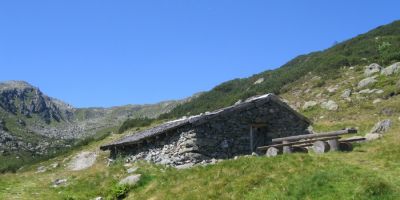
column 379, row 45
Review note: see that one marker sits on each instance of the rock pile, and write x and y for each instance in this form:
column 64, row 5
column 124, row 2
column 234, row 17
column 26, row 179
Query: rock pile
column 379, row 129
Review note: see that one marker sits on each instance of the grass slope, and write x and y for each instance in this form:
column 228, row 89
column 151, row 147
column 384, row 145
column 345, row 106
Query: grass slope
column 379, row 45
column 371, row 171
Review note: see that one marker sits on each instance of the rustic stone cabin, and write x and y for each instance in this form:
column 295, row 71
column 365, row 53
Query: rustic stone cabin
column 225, row 133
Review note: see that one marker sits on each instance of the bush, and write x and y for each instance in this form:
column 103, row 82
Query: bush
column 119, row 191
column 135, row 123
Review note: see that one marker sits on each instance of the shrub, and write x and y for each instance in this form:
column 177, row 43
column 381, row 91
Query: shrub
column 119, row 191
column 135, row 123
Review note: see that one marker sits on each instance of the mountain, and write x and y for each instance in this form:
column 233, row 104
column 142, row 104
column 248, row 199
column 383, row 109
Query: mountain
column 34, row 124
column 358, row 95
column 380, row 45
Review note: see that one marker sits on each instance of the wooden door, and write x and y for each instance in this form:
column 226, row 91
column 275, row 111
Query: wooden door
column 259, row 136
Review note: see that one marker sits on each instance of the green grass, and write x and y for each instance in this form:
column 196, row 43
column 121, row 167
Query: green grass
column 15, row 160
column 371, row 171
column 358, row 51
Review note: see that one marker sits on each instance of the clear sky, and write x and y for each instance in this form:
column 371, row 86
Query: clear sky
column 106, row 53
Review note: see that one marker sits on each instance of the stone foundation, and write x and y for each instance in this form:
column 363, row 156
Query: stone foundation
column 222, row 137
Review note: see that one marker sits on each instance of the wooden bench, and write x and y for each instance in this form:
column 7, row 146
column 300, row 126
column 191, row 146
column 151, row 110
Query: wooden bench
column 321, row 143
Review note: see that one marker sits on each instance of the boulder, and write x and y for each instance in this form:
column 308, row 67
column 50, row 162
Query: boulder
column 260, row 80
column 330, row 105
column 54, row 165
column 82, row 161
column 377, row 101
column 392, row 69
column 366, row 91
column 59, row 182
column 372, row 69
column 372, row 136
column 332, row 89
column 365, row 82
column 41, row 169
column 185, row 166
column 132, row 170
column 130, row 180
column 309, row 104
column 382, row 126
column 346, row 94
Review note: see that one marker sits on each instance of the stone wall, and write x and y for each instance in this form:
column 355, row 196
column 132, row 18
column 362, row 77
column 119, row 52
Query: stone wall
column 222, row 137
column 228, row 136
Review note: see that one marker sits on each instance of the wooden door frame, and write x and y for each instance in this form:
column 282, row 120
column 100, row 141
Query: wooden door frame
column 252, row 135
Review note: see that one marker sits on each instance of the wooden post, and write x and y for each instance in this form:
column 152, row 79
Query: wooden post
column 272, row 152
column 333, row 144
column 320, row 147
column 251, row 139
column 286, row 149
column 299, row 149
column 345, row 146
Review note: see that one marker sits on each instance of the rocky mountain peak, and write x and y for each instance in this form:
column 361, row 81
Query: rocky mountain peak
column 19, row 97
column 15, row 85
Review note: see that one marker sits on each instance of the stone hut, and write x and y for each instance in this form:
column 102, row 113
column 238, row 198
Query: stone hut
column 225, row 133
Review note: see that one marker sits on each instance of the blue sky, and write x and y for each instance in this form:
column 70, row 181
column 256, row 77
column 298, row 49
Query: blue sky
column 106, row 53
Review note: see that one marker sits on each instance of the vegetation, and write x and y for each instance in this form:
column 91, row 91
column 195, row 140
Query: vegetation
column 379, row 45
column 13, row 162
column 371, row 171
column 135, row 123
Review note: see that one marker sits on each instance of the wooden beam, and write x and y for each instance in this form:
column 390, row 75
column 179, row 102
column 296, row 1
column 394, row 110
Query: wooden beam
column 298, row 142
column 353, row 140
column 319, row 135
column 251, row 139
column 258, row 125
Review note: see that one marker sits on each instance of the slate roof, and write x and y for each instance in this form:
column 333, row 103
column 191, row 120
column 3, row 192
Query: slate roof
column 196, row 120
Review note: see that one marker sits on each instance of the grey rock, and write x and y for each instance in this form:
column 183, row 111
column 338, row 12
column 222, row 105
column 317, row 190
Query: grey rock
column 392, row 69
column 382, row 126
column 366, row 91
column 128, row 164
column 333, row 89
column 185, row 166
column 346, row 93
column 330, row 105
column 372, row 69
column 41, row 169
column 82, row 161
column 376, row 101
column 258, row 81
column 309, row 104
column 59, row 182
column 366, row 82
column 132, row 170
column 372, row 136
column 131, row 180
column 98, row 198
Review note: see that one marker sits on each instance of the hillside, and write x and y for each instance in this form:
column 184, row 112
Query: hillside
column 34, row 125
column 379, row 45
column 357, row 93
column 370, row 171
